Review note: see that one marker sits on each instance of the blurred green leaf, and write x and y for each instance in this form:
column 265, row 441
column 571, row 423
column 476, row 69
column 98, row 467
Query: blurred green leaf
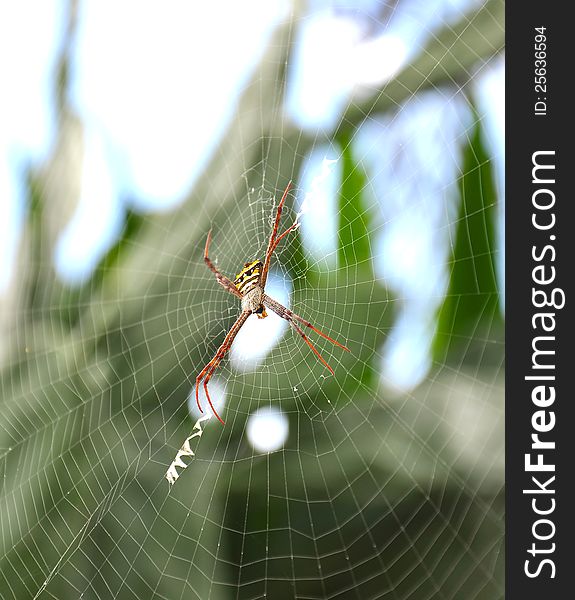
column 471, row 305
column 354, row 218
column 371, row 301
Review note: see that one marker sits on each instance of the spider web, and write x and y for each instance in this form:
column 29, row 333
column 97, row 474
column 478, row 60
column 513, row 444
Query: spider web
column 382, row 481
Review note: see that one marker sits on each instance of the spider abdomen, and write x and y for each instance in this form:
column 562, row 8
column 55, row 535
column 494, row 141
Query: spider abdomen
column 249, row 276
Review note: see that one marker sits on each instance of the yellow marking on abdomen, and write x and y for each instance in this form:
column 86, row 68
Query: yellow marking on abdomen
column 249, row 276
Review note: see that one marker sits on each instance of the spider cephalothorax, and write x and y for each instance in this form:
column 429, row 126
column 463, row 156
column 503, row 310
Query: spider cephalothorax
column 249, row 286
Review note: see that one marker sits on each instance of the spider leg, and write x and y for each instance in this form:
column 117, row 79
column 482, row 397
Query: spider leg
column 222, row 279
column 321, row 333
column 287, row 314
column 271, row 244
column 206, row 380
column 293, row 319
column 281, row 237
column 313, row 348
column 207, row 372
column 200, row 377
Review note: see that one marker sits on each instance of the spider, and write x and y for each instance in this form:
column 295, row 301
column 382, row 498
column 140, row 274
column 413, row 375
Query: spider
column 249, row 286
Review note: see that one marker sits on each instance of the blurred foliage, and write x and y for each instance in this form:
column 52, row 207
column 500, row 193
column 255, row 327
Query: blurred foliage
column 354, row 219
column 371, row 302
column 372, row 496
column 471, row 308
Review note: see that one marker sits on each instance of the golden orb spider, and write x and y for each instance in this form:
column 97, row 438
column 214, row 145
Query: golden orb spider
column 249, row 287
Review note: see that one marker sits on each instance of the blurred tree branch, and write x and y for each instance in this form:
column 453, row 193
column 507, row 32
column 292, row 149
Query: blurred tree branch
column 452, row 57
